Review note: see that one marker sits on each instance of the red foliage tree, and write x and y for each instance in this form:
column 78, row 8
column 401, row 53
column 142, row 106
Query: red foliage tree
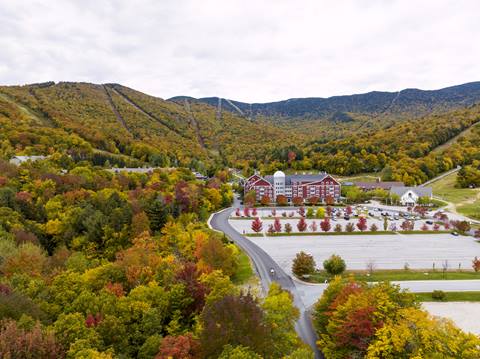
column 237, row 212
column 93, row 321
column 115, row 288
column 407, row 225
column 424, row 227
column 436, row 227
column 362, row 224
column 302, row 225
column 291, row 156
column 358, row 329
column 301, row 211
column 257, row 225
column 421, row 210
column 313, row 200
column 16, row 342
column 329, row 200
column 246, row 212
column 277, row 226
column 446, row 225
column 189, row 277
column 297, row 201
column 235, row 320
column 265, row 200
column 282, row 200
column 325, row 225
column 254, row 212
column 180, row 347
column 461, row 226
column 349, row 210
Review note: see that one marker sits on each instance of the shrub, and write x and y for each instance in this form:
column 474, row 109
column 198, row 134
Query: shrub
column 302, row 225
column 334, row 265
column 288, row 227
column 338, row 228
column 476, row 264
column 301, row 211
column 439, row 295
column 320, row 213
column 303, row 264
column 373, row 227
column 349, row 227
column 310, row 212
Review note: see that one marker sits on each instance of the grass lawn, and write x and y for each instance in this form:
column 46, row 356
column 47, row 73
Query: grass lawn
column 466, row 200
column 445, row 189
column 244, row 271
column 471, row 210
column 451, row 297
column 398, row 275
column 362, row 177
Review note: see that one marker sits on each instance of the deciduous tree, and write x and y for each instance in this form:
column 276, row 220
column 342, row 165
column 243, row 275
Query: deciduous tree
column 325, row 225
column 334, row 265
column 277, row 226
column 303, row 264
column 257, row 225
column 362, row 224
column 302, row 225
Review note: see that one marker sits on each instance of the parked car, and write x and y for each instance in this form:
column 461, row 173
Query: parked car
column 429, row 222
column 454, row 234
column 396, row 218
column 347, row 218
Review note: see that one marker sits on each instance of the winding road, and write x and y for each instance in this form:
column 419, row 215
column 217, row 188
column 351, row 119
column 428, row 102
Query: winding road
column 305, row 294
column 263, row 263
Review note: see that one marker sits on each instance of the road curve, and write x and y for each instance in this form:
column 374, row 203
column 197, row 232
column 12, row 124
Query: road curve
column 263, row 263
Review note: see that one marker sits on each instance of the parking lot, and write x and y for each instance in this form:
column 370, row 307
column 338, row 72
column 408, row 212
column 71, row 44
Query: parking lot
column 390, row 251
column 386, row 251
column 245, row 225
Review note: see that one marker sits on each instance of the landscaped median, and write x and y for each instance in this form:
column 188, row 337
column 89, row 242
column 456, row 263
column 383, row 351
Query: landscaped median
column 449, row 297
column 285, row 234
column 396, row 275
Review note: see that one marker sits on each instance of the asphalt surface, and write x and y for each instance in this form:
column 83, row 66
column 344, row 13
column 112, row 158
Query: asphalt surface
column 263, row 263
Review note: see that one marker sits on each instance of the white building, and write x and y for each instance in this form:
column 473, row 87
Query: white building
column 17, row 160
column 409, row 195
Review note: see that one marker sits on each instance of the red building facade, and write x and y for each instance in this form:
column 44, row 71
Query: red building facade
column 322, row 186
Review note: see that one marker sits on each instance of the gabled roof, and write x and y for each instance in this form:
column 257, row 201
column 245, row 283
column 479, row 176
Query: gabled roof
column 419, row 191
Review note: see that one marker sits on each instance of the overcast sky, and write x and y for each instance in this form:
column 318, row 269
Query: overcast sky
column 252, row 51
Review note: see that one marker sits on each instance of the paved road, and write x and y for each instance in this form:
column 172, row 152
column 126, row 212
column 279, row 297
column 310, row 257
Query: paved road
column 440, row 176
column 263, row 263
column 311, row 292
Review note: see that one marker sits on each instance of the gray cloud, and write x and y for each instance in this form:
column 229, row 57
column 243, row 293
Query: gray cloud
column 247, row 50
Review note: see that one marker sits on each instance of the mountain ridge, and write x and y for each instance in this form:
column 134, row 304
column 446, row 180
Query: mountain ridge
column 414, row 101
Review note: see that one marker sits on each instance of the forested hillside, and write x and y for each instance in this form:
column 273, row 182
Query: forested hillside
column 120, row 121
column 113, row 125
column 102, row 265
